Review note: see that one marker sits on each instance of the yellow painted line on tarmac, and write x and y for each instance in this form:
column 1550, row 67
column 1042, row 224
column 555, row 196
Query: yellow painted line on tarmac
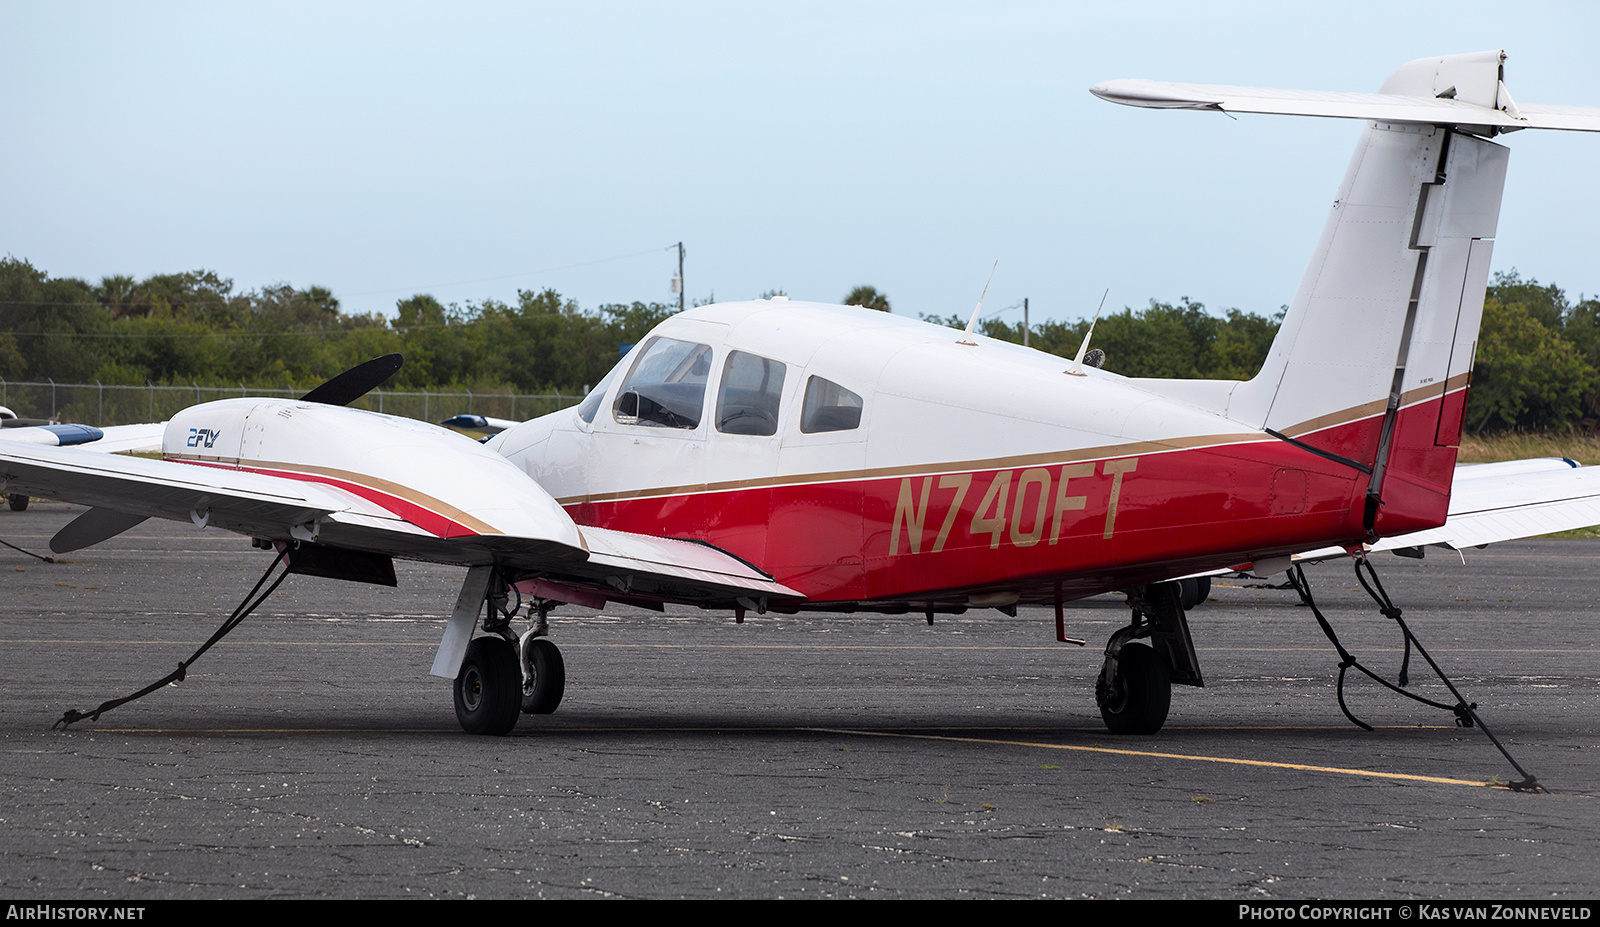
column 1302, row 767
column 856, row 732
column 1389, row 649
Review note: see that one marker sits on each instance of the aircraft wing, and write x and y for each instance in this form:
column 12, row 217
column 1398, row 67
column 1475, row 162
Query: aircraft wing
column 129, row 439
column 537, row 537
column 1504, row 502
column 110, row 440
column 239, row 501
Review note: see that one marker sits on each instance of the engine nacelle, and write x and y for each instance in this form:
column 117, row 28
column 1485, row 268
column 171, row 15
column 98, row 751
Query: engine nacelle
column 434, row 478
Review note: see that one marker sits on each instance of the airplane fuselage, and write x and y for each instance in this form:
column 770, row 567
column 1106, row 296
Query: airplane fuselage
column 974, row 474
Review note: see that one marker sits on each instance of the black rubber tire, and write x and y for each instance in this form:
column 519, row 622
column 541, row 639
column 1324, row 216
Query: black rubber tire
column 546, row 678
column 1189, row 593
column 489, row 687
column 1143, row 690
column 1204, row 585
column 17, row 501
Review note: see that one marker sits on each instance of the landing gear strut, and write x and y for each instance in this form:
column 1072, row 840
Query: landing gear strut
column 544, row 673
column 1134, row 689
column 502, row 676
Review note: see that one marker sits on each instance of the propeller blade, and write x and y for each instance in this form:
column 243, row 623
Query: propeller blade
column 92, row 527
column 356, row 382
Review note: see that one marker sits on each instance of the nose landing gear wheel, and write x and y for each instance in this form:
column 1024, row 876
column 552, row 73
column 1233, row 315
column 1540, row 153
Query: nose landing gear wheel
column 488, row 689
column 1135, row 699
column 544, row 677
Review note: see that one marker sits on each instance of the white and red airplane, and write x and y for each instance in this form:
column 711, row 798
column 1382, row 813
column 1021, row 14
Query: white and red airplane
column 781, row 456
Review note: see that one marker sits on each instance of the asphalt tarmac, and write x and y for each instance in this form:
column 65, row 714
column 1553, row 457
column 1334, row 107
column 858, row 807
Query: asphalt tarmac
column 309, row 755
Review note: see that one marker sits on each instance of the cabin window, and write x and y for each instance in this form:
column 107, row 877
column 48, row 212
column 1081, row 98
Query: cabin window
column 667, row 386
column 829, row 407
column 747, row 401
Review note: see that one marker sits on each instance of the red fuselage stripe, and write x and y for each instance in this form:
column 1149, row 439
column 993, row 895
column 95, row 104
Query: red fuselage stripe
column 419, row 515
column 1093, row 525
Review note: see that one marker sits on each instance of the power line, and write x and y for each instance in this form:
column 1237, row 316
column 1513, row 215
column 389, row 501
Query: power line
column 214, row 334
column 991, row 315
column 526, row 273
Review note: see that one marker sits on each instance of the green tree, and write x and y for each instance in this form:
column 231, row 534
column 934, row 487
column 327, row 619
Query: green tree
column 1527, row 375
column 1161, row 340
column 1547, row 304
column 121, row 296
column 870, row 298
column 44, row 318
column 421, row 309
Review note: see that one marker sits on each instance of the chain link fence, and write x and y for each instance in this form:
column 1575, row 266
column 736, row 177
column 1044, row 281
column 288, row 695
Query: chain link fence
column 107, row 404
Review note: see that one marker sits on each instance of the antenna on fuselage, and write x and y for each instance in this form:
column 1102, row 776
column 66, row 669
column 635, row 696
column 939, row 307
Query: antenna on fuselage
column 1077, row 362
column 967, row 338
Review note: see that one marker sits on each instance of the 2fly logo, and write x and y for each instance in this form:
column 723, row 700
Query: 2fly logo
column 202, row 437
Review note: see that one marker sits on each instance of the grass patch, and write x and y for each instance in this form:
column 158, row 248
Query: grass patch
column 1522, row 445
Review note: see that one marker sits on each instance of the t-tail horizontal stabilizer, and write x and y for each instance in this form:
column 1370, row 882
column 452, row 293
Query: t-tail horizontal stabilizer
column 1466, row 92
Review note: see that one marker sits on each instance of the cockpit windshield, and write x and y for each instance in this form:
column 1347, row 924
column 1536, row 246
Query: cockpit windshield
column 667, row 386
column 591, row 403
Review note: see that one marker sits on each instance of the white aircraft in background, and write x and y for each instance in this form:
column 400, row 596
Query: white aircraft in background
column 786, row 456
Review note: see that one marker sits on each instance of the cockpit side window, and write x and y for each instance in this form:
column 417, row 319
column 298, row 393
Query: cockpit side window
column 747, row 401
column 829, row 407
column 667, row 386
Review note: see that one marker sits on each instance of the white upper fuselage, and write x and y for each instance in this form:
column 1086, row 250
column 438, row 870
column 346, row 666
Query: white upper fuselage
column 930, row 404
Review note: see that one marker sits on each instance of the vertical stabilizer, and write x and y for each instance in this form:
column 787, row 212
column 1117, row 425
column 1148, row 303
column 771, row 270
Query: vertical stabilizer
column 1372, row 363
column 1375, row 353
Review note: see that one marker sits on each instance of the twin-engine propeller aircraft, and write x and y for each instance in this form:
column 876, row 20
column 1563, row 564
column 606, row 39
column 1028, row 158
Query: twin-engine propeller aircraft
column 782, row 456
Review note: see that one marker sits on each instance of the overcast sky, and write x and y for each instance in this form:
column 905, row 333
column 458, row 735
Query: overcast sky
column 471, row 149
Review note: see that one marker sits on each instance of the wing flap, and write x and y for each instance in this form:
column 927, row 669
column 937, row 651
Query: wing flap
column 617, row 553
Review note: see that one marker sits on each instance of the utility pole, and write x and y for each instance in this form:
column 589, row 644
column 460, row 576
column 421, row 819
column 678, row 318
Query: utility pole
column 1024, row 321
column 680, row 276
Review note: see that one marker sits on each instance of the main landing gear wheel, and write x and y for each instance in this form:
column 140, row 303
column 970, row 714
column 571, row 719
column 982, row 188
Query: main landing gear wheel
column 1193, row 591
column 1135, row 698
column 17, row 501
column 489, row 687
column 544, row 676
